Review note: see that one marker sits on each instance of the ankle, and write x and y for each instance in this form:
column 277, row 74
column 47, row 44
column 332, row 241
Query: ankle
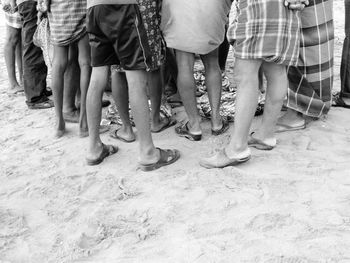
column 149, row 155
column 195, row 125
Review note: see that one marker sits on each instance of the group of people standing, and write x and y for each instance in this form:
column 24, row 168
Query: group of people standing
column 289, row 42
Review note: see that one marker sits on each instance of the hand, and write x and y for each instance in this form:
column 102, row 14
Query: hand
column 297, row 5
column 9, row 6
column 43, row 6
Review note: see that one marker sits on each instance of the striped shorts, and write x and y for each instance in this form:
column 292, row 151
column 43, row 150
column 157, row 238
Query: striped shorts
column 14, row 20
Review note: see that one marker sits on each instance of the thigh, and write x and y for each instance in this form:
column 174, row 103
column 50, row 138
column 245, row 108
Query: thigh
column 211, row 58
column 13, row 35
column 185, row 61
column 274, row 70
column 84, row 51
column 247, row 67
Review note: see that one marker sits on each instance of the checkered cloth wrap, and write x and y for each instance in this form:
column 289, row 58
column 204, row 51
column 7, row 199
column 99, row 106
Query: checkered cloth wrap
column 14, row 20
column 311, row 82
column 67, row 21
column 267, row 30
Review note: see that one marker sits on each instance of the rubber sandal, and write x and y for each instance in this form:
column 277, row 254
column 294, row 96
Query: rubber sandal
column 114, row 135
column 224, row 128
column 72, row 117
column 339, row 102
column 41, row 105
column 171, row 122
column 167, row 157
column 107, row 150
column 183, row 131
column 285, row 127
column 259, row 144
column 221, row 160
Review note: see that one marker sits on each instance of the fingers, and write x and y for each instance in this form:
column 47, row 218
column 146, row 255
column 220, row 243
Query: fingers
column 297, row 5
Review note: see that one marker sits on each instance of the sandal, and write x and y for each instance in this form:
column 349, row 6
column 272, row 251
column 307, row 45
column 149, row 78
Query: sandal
column 224, row 128
column 259, row 144
column 41, row 105
column 166, row 157
column 221, row 160
column 107, row 150
column 183, row 131
column 169, row 123
column 114, row 135
column 339, row 102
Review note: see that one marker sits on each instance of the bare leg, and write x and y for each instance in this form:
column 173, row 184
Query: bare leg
column 137, row 81
column 85, row 73
column 120, row 94
column 247, row 99
column 59, row 65
column 187, row 88
column 19, row 59
column 277, row 84
column 155, row 89
column 96, row 88
column 71, row 84
column 12, row 39
column 246, row 103
column 213, row 83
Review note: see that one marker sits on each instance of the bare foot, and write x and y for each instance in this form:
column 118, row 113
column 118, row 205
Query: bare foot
column 292, row 119
column 15, row 88
column 162, row 124
column 61, row 129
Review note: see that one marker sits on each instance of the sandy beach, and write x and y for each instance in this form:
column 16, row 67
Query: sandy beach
column 289, row 205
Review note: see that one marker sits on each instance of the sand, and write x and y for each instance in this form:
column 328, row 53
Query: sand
column 287, row 205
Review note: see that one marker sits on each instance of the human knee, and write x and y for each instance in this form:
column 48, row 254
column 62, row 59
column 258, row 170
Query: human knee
column 84, row 62
column 247, row 70
column 211, row 60
column 59, row 64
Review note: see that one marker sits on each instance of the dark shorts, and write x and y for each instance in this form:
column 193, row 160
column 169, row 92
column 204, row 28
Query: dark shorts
column 118, row 37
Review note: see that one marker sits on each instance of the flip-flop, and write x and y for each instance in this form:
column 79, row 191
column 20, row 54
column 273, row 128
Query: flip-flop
column 170, row 122
column 107, row 150
column 114, row 135
column 224, row 128
column 183, row 131
column 221, row 160
column 339, row 102
column 259, row 144
column 42, row 105
column 285, row 127
column 167, row 157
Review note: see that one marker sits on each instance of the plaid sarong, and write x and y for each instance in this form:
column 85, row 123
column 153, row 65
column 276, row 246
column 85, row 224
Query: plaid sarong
column 14, row 20
column 310, row 83
column 267, row 30
column 67, row 21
